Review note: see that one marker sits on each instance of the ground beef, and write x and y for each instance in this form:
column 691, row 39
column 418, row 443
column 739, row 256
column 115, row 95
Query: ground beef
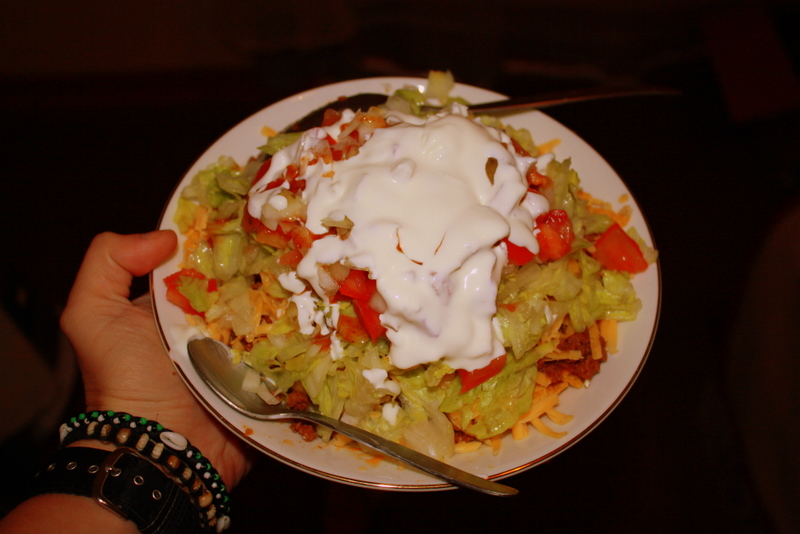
column 585, row 368
column 462, row 437
column 307, row 431
column 298, row 400
column 577, row 341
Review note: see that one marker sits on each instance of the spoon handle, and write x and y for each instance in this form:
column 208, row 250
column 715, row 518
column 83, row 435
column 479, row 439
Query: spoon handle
column 434, row 467
column 545, row 100
column 548, row 100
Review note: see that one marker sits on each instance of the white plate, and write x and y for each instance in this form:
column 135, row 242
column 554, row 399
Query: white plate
column 589, row 406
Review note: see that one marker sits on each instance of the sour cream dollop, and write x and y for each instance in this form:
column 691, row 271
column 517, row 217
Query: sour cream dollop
column 430, row 201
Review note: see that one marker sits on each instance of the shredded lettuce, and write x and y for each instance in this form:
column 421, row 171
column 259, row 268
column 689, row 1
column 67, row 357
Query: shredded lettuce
column 204, row 187
column 494, row 406
column 278, row 142
column 196, row 290
column 439, row 85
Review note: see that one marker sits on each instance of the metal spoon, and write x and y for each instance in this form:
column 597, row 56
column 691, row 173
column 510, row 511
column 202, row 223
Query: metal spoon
column 366, row 100
column 212, row 360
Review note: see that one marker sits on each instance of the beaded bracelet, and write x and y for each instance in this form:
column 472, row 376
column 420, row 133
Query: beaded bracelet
column 169, row 449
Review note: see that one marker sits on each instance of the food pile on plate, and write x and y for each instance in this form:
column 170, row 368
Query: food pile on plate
column 438, row 279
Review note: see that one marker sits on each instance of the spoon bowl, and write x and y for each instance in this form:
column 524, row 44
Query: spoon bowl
column 212, row 360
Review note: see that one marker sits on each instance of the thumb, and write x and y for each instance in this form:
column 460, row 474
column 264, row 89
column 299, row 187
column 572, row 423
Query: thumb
column 138, row 254
column 110, row 264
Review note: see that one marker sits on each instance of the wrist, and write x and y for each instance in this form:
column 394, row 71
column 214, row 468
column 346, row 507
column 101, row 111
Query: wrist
column 59, row 512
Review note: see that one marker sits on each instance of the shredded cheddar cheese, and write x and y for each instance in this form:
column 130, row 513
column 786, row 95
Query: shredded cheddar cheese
column 608, row 331
column 594, row 205
column 549, row 146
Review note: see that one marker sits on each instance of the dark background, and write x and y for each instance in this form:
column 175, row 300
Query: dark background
column 104, row 105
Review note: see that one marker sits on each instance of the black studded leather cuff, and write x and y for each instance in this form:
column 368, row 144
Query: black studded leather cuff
column 125, row 483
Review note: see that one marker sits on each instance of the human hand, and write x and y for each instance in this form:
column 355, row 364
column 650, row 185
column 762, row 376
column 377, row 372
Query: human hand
column 122, row 360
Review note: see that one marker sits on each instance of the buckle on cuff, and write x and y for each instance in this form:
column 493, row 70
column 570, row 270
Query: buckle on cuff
column 109, row 469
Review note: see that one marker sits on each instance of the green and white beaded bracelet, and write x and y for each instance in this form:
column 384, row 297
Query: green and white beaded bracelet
column 164, row 447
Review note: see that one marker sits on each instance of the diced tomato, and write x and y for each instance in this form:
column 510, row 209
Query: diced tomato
column 324, row 342
column 275, row 238
column 302, row 238
column 335, row 150
column 297, row 185
column 173, row 282
column 518, row 149
column 289, row 175
column 616, row 250
column 345, row 148
column 536, row 179
column 262, row 170
column 358, row 285
column 277, row 182
column 555, row 235
column 292, row 172
column 370, row 319
column 291, row 258
column 249, row 223
column 351, row 329
column 331, row 117
column 473, row 379
column 518, row 255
